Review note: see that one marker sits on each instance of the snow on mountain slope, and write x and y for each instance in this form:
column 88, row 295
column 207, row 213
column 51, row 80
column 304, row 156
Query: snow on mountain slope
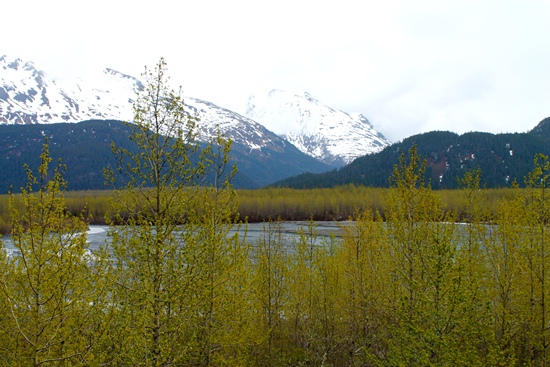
column 330, row 135
column 29, row 96
column 238, row 128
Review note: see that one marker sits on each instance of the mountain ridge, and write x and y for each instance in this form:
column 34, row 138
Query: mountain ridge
column 503, row 159
column 28, row 96
column 330, row 135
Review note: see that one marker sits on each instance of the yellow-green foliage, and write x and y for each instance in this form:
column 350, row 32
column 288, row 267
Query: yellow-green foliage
column 417, row 278
column 51, row 295
column 320, row 204
column 91, row 205
column 4, row 214
column 404, row 285
column 338, row 203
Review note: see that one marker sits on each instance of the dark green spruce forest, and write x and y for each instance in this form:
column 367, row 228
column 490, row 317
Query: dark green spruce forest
column 85, row 148
column 410, row 280
column 503, row 159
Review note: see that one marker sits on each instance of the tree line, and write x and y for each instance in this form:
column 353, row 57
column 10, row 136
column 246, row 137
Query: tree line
column 175, row 287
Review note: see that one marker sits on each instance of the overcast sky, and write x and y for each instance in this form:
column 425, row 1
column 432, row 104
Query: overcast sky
column 408, row 66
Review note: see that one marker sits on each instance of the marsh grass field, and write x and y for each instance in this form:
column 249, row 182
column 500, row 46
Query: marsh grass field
column 335, row 204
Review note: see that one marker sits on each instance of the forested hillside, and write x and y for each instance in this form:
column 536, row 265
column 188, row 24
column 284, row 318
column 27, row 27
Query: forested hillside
column 85, row 148
column 502, row 159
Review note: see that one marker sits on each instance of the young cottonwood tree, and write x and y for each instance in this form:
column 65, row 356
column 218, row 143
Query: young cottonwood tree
column 271, row 292
column 425, row 326
column 366, row 297
column 161, row 252
column 312, row 305
column 474, row 314
column 505, row 286
column 223, row 282
column 536, row 255
column 53, row 287
column 303, row 295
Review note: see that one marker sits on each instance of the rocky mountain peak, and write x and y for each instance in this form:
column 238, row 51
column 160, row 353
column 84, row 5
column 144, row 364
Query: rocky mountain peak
column 330, row 135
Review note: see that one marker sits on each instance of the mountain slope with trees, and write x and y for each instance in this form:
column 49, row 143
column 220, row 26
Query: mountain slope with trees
column 85, row 148
column 502, row 159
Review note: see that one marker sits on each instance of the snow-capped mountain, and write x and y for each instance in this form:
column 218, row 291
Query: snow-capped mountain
column 29, row 96
column 330, row 135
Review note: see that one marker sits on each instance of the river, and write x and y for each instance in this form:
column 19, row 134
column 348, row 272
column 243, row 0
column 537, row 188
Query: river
column 97, row 235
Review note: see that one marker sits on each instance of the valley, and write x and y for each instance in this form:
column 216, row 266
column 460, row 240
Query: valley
column 154, row 272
